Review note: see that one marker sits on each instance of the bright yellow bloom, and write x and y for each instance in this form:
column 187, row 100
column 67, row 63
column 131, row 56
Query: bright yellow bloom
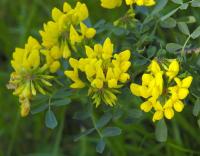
column 152, row 83
column 180, row 91
column 104, row 71
column 165, row 101
column 173, row 69
column 29, row 74
column 74, row 36
column 110, row 4
column 87, row 32
column 66, row 31
column 145, row 2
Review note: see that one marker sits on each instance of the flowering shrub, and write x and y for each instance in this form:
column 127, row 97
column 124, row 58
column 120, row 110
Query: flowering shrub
column 77, row 61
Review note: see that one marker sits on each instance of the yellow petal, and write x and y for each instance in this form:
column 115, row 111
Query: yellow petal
column 110, row 4
column 178, row 106
column 158, row 115
column 182, row 93
column 124, row 77
column 135, row 89
column 146, row 79
column 55, row 52
column 173, row 69
column 77, row 84
column 146, row 106
column 66, row 7
column 125, row 55
column 125, row 66
column 54, row 66
column 112, row 83
column 73, row 62
column 107, row 49
column 169, row 113
column 97, row 83
column 144, row 92
column 56, row 14
column 187, row 82
column 130, row 2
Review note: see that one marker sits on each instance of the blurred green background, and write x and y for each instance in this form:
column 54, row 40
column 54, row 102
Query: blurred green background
column 29, row 136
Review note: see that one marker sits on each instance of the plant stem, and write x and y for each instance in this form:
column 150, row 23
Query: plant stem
column 14, row 133
column 94, row 124
column 59, row 134
column 183, row 49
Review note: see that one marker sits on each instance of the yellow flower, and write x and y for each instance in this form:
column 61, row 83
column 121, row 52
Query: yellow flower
column 29, row 76
column 145, row 2
column 162, row 99
column 54, row 66
column 152, row 83
column 130, row 2
column 73, row 74
column 74, row 36
column 148, row 105
column 173, row 69
column 154, row 67
column 110, row 4
column 158, row 115
column 178, row 106
column 104, row 72
column 63, row 31
column 180, row 91
column 87, row 32
column 25, row 106
column 50, row 34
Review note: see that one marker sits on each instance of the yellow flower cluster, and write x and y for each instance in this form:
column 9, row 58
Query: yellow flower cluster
column 66, row 30
column 28, row 77
column 104, row 72
column 160, row 95
column 110, row 4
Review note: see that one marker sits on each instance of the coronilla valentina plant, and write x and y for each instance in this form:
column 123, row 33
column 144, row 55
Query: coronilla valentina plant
column 73, row 56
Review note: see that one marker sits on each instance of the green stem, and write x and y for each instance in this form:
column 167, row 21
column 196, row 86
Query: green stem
column 94, row 124
column 183, row 49
column 59, row 134
column 14, row 134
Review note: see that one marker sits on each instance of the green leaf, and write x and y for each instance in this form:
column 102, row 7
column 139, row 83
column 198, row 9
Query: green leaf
column 169, row 14
column 168, row 23
column 111, row 131
column 81, row 115
column 161, row 131
column 135, row 113
column 151, row 51
column 196, row 3
column 159, row 6
column 104, row 120
column 50, row 119
column 178, row 1
column 39, row 109
column 196, row 109
column 183, row 28
column 85, row 133
column 62, row 102
column 100, row 146
column 187, row 19
column 173, row 47
column 184, row 6
column 196, row 33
